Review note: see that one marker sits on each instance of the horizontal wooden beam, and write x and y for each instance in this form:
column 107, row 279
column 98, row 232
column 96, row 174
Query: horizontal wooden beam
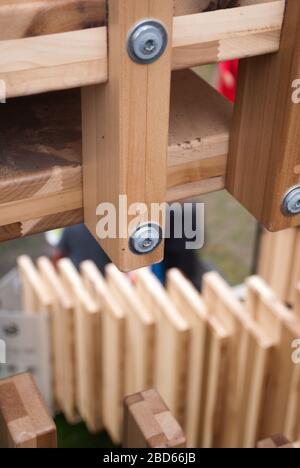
column 30, row 18
column 79, row 58
column 41, row 175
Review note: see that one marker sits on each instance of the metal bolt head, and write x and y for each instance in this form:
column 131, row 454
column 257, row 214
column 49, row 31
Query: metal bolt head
column 145, row 239
column 291, row 202
column 147, row 41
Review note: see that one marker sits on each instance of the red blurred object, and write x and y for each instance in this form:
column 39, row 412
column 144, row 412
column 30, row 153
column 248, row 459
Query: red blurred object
column 228, row 78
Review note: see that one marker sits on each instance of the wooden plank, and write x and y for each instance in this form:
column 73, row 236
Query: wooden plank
column 35, row 296
column 276, row 261
column 87, row 338
column 63, row 325
column 282, row 326
column 148, row 423
column 113, row 349
column 189, row 303
column 248, row 354
column 266, row 130
column 32, row 65
column 24, row 418
column 140, row 329
column 275, row 442
column 28, row 18
column 171, row 343
column 131, row 162
column 48, row 169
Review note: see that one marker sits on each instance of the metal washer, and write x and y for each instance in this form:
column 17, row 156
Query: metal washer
column 291, row 202
column 145, row 239
column 147, row 41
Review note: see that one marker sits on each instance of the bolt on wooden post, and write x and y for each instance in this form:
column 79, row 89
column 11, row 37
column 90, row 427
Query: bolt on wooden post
column 264, row 158
column 125, row 131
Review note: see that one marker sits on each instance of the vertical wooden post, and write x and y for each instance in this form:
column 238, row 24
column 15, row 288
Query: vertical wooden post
column 264, row 158
column 125, row 130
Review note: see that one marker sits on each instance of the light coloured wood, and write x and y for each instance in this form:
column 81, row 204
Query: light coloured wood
column 140, row 328
column 283, row 327
column 148, row 423
column 27, row 18
column 63, row 324
column 49, row 180
column 189, row 303
column 87, row 336
column 24, row 419
column 36, row 297
column 133, row 161
column 171, row 343
column 32, row 65
column 264, row 157
column 113, row 348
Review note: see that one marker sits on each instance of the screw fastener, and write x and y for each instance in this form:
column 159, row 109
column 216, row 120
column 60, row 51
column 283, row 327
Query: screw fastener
column 147, row 41
column 145, row 239
column 291, row 202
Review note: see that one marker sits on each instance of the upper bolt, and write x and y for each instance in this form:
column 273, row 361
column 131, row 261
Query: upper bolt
column 147, row 41
column 291, row 202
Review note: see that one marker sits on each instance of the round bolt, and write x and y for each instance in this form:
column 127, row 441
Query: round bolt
column 145, row 239
column 147, row 41
column 291, row 202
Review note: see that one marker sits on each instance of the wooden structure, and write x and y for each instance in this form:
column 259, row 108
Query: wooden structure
column 148, row 423
column 220, row 365
column 24, row 418
column 59, row 45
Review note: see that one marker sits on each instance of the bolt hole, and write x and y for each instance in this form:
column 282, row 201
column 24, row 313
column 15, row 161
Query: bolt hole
column 150, row 46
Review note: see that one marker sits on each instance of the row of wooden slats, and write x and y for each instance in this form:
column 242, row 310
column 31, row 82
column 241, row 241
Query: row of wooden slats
column 224, row 368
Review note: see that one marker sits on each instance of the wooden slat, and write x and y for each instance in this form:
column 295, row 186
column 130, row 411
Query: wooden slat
column 28, row 18
column 63, row 326
column 87, row 336
column 264, row 157
column 284, row 327
column 188, row 301
column 171, row 343
column 46, row 168
column 113, row 349
column 32, row 65
column 24, row 419
column 139, row 358
column 148, row 423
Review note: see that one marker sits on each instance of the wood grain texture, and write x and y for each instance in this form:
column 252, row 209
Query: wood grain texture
column 24, row 419
column 124, row 144
column 188, row 301
column 264, row 151
column 29, row 18
column 87, row 342
column 148, row 423
column 32, row 65
column 40, row 154
column 282, row 326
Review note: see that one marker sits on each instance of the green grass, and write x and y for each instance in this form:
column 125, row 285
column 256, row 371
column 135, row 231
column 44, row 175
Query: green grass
column 78, row 436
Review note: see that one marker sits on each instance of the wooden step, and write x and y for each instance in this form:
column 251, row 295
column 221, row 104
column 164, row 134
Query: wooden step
column 40, row 154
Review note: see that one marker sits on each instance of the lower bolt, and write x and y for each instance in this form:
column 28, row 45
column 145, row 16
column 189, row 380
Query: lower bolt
column 291, row 202
column 145, row 239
